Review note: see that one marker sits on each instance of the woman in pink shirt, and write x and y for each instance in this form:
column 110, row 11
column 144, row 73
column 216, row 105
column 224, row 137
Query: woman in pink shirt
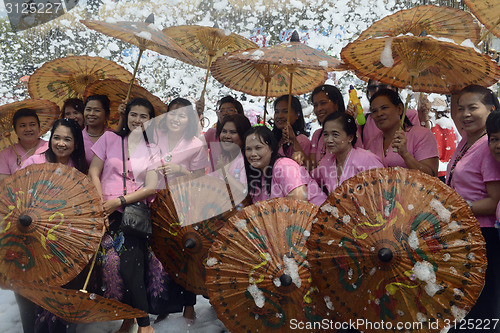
column 326, row 99
column 27, row 127
column 412, row 147
column 475, row 174
column 141, row 180
column 271, row 176
column 292, row 138
column 96, row 113
column 73, row 109
column 344, row 161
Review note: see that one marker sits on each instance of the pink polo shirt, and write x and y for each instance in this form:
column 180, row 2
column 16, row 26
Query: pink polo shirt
column 190, row 153
column 40, row 159
column 304, row 143
column 421, row 144
column 288, row 175
column 8, row 158
column 357, row 161
column 88, row 144
column 472, row 172
column 109, row 149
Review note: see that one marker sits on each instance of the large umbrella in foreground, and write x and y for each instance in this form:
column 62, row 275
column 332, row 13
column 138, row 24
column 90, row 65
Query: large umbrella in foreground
column 64, row 78
column 75, row 306
column 187, row 217
column 397, row 246
column 257, row 274
column 46, row 111
column 52, row 223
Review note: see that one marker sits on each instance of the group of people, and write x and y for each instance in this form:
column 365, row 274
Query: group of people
column 129, row 164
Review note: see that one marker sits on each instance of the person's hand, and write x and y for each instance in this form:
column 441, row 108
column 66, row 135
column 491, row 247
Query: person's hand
column 299, row 157
column 170, row 168
column 200, row 105
column 288, row 135
column 121, row 108
column 111, row 205
column 399, row 143
column 351, row 110
column 221, row 162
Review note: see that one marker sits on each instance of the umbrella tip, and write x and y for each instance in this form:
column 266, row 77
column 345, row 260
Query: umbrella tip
column 423, row 33
column 285, row 280
column 385, row 254
column 190, row 243
column 295, row 37
column 150, row 18
column 25, row 220
column 216, row 25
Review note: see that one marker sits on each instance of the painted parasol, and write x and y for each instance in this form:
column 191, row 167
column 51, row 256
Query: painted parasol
column 186, row 219
column 117, row 91
column 52, row 223
column 488, row 13
column 397, row 246
column 144, row 35
column 207, row 43
column 46, row 110
column 75, row 306
column 438, row 21
column 258, row 278
column 64, row 78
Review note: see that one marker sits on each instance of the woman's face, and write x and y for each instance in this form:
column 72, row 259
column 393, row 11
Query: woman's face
column 138, row 115
column 27, row 130
column 177, row 119
column 323, row 106
column 494, row 145
column 386, row 115
column 94, row 114
column 258, row 153
column 472, row 113
column 71, row 113
column 336, row 139
column 229, row 137
column 281, row 115
column 226, row 109
column 62, row 143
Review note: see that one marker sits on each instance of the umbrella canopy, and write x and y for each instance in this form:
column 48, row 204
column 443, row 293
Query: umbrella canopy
column 426, row 64
column 52, row 224
column 117, row 90
column 438, row 21
column 64, row 78
column 75, row 306
column 257, row 274
column 399, row 246
column 488, row 12
column 186, row 219
column 47, row 112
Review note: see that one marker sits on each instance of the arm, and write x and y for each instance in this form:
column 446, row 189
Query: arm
column 429, row 165
column 488, row 206
column 95, row 170
column 3, row 176
column 299, row 193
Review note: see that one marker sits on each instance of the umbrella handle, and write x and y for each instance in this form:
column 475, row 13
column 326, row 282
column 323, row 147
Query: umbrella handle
column 206, row 76
column 265, row 101
column 412, row 80
column 487, row 32
column 84, row 289
column 290, row 97
column 224, row 175
column 133, row 76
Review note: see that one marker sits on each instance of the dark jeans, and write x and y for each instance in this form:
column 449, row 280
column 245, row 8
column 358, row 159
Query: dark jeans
column 28, row 310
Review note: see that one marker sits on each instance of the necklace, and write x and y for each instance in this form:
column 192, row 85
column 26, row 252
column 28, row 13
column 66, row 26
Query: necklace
column 95, row 135
column 19, row 158
column 459, row 157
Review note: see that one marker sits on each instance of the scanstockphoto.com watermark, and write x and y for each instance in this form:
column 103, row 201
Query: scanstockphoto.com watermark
column 361, row 324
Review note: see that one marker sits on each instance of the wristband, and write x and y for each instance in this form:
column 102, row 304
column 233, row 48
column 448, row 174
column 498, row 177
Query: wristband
column 122, row 200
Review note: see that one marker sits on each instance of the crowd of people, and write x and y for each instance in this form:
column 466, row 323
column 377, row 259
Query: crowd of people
column 265, row 163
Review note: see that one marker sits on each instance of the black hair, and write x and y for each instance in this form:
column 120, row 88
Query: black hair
column 229, row 99
column 347, row 121
column 24, row 112
column 103, row 99
column 192, row 128
column 493, row 123
column 488, row 98
column 333, row 94
column 299, row 127
column 394, row 98
column 78, row 154
column 374, row 85
column 125, row 130
column 74, row 103
column 254, row 175
column 241, row 123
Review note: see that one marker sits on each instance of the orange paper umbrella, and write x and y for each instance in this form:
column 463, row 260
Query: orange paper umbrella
column 52, row 224
column 397, row 246
column 117, row 90
column 46, row 110
column 64, row 78
column 75, row 306
column 438, row 21
column 424, row 63
column 488, row 12
column 207, row 43
column 257, row 274
column 186, row 220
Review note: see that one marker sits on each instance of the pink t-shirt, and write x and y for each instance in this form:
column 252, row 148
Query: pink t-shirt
column 8, row 157
column 190, row 153
column 235, row 168
column 472, row 172
column 211, row 136
column 304, row 143
column 88, row 144
column 357, row 161
column 288, row 175
column 421, row 144
column 40, row 159
column 109, row 149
